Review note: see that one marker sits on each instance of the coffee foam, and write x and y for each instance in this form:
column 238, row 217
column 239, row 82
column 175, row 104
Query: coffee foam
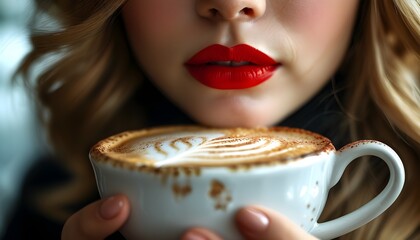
column 189, row 146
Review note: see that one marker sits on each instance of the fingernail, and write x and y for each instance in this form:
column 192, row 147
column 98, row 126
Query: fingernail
column 252, row 220
column 110, row 208
column 194, row 236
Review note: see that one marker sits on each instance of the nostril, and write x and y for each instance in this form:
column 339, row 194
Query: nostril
column 247, row 11
column 213, row 12
column 228, row 13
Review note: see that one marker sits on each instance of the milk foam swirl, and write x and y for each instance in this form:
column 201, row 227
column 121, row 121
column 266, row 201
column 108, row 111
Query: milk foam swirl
column 193, row 149
column 210, row 147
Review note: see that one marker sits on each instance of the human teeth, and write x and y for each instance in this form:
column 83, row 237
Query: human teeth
column 231, row 63
column 234, row 64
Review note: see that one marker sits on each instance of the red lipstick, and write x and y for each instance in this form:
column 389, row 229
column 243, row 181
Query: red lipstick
column 238, row 67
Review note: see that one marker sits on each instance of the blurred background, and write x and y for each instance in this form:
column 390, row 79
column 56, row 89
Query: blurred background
column 20, row 134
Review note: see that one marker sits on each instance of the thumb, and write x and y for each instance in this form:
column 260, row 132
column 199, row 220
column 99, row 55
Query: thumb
column 262, row 223
column 98, row 219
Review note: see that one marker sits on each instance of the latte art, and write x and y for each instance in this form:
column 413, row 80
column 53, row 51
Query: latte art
column 199, row 146
column 223, row 149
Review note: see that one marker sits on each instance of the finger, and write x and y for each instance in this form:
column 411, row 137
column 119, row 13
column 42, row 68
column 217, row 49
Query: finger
column 265, row 224
column 200, row 234
column 97, row 220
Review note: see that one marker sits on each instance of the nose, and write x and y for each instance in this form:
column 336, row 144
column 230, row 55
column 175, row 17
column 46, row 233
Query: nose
column 231, row 10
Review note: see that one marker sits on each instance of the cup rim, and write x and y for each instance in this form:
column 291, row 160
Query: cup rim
column 99, row 152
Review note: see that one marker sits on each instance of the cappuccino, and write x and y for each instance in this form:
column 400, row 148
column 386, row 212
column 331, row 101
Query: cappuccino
column 178, row 177
column 196, row 146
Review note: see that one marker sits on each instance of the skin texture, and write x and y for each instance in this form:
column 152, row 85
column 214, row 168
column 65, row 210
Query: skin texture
column 308, row 37
column 97, row 220
column 256, row 223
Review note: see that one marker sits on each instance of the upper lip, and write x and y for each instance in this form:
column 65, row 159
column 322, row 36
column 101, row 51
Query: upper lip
column 241, row 54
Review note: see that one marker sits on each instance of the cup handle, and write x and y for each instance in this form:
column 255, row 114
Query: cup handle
column 351, row 221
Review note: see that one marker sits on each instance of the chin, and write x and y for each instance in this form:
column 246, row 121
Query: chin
column 230, row 119
column 235, row 109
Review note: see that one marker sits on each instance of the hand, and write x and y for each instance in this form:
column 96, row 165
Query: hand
column 98, row 219
column 257, row 223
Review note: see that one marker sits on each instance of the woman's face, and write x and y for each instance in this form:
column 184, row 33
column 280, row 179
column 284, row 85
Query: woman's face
column 300, row 44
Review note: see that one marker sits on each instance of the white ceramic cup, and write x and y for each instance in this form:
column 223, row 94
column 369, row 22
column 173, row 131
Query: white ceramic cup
column 166, row 201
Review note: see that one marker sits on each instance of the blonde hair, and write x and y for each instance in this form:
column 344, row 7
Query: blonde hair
column 85, row 92
column 383, row 104
column 88, row 92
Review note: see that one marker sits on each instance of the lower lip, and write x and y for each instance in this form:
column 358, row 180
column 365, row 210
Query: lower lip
column 225, row 77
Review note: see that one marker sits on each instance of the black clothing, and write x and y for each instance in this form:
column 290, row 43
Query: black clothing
column 322, row 114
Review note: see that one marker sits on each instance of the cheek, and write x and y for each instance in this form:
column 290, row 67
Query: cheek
column 319, row 16
column 153, row 30
column 152, row 20
column 320, row 30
